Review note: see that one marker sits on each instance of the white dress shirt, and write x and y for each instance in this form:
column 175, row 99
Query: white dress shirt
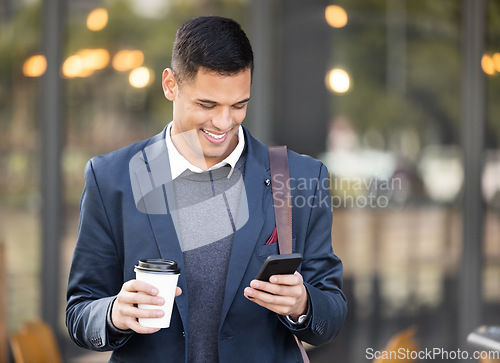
column 179, row 164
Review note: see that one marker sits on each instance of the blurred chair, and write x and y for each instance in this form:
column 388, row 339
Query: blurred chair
column 35, row 343
column 403, row 340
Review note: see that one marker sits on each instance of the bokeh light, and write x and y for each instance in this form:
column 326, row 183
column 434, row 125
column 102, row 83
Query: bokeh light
column 140, row 77
column 72, row 66
column 496, row 61
column 85, row 62
column 35, row 66
column 97, row 19
column 94, row 58
column 488, row 65
column 335, row 16
column 127, row 59
column 338, row 81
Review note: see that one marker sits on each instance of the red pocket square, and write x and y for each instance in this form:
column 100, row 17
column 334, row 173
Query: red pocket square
column 273, row 238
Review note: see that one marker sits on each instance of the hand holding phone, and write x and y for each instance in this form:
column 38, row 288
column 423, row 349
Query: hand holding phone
column 279, row 265
column 285, row 296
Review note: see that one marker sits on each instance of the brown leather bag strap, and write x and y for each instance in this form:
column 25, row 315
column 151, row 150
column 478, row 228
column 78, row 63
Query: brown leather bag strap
column 303, row 352
column 282, row 201
column 282, row 198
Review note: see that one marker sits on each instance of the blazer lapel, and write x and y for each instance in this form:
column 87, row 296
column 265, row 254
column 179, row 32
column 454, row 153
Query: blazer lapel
column 259, row 199
column 153, row 179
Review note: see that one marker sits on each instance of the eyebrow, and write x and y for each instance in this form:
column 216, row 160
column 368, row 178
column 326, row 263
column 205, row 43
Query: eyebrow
column 215, row 103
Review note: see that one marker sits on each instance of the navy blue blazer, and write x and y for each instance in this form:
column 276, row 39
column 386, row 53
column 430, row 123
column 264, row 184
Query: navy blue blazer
column 114, row 234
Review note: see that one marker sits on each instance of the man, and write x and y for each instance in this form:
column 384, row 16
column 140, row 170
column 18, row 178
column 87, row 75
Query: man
column 198, row 193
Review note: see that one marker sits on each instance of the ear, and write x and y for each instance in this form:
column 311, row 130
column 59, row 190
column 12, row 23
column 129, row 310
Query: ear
column 169, row 84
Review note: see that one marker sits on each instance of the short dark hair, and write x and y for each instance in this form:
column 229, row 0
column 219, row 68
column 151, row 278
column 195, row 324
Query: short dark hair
column 213, row 42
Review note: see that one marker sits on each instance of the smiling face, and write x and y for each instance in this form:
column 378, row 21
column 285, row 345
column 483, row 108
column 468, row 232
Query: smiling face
column 207, row 113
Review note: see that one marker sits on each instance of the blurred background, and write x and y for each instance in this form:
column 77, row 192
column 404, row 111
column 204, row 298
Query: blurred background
column 396, row 97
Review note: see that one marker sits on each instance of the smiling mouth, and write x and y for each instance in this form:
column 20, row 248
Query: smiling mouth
column 215, row 136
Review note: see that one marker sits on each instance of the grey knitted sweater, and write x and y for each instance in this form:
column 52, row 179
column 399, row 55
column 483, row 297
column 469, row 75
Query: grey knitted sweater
column 207, row 206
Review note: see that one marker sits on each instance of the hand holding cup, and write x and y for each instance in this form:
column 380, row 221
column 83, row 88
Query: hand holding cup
column 145, row 304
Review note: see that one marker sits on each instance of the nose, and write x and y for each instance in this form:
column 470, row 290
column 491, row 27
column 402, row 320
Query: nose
column 223, row 121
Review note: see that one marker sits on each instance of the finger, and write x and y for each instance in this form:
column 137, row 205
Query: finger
column 290, row 285
column 132, row 298
column 135, row 312
column 178, row 291
column 278, row 309
column 140, row 286
column 264, row 298
column 276, row 289
column 138, row 328
column 295, row 279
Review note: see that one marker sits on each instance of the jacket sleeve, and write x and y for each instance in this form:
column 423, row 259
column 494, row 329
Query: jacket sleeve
column 96, row 272
column 321, row 270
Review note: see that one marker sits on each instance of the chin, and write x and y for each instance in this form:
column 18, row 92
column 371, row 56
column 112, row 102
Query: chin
column 213, row 155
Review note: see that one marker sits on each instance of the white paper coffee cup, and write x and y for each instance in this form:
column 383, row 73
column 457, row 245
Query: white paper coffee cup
column 162, row 274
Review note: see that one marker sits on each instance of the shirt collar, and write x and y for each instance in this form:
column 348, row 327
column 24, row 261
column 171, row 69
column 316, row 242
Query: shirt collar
column 179, row 164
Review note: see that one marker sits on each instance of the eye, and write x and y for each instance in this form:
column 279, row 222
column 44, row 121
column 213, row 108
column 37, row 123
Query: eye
column 240, row 106
column 206, row 106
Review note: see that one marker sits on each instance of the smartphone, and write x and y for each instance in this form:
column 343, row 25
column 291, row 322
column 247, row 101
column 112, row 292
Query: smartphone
column 279, row 265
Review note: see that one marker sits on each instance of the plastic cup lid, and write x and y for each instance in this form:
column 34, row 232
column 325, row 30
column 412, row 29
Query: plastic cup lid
column 158, row 265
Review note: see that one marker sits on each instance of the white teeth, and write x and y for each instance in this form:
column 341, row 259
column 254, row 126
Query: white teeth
column 213, row 135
